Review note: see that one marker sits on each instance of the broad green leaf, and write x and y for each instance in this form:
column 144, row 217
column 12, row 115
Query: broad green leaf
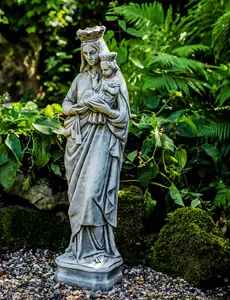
column 175, row 194
column 151, row 100
column 48, row 111
column 131, row 156
column 30, row 105
column 57, row 108
column 157, row 138
column 195, row 202
column 166, row 142
column 147, row 145
column 212, row 151
column 147, row 172
column 134, row 32
column 13, row 143
column 149, row 203
column 8, row 173
column 56, row 169
column 3, row 154
column 41, row 150
column 181, row 157
column 57, row 154
column 122, row 24
column 190, row 123
column 48, row 126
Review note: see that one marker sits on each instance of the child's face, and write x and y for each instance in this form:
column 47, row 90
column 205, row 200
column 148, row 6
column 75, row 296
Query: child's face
column 106, row 70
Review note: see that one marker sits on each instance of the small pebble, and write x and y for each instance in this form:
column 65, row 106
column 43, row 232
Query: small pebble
column 26, row 274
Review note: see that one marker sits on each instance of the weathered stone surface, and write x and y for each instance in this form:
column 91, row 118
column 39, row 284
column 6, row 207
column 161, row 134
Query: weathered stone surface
column 41, row 195
column 96, row 128
column 95, row 277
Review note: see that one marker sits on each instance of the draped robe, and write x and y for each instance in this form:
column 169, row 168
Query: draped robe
column 93, row 161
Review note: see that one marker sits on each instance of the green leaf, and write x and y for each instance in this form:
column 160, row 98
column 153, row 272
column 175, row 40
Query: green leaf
column 166, row 142
column 175, row 194
column 48, row 126
column 213, row 152
column 157, row 138
column 30, row 105
column 195, row 202
column 147, row 172
column 149, row 203
column 134, row 32
column 41, row 150
column 57, row 154
column 57, row 108
column 151, row 100
column 131, row 156
column 181, row 157
column 122, row 24
column 56, row 170
column 147, row 146
column 13, row 143
column 3, row 154
column 8, row 173
column 48, row 111
column 26, row 184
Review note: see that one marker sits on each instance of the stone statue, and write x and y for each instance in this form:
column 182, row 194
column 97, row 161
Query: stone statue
column 96, row 127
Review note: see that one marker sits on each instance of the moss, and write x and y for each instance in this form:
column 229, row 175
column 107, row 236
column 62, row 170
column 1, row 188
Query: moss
column 21, row 227
column 24, row 227
column 192, row 247
column 129, row 232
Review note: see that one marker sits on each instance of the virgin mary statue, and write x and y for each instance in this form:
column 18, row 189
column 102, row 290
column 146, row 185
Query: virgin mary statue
column 93, row 157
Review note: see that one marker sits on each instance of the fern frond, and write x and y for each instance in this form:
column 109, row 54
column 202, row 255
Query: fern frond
column 202, row 14
column 217, row 129
column 189, row 50
column 174, row 82
column 142, row 16
column 221, row 198
column 224, row 95
column 171, row 61
column 220, row 37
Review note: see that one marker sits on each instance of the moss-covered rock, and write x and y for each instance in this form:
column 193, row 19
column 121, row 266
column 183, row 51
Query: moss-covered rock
column 129, row 232
column 24, row 227
column 192, row 247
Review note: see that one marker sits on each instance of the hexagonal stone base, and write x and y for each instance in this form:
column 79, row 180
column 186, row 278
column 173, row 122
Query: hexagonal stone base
column 94, row 276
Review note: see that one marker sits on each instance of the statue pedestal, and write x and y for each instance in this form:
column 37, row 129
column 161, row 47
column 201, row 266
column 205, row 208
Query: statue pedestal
column 94, row 276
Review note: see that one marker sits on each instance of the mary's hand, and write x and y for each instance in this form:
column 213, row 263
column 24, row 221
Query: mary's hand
column 104, row 108
column 71, row 111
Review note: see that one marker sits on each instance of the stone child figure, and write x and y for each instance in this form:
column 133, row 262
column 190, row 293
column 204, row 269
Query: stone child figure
column 96, row 128
column 106, row 91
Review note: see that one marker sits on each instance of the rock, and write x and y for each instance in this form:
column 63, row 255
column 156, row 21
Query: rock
column 41, row 195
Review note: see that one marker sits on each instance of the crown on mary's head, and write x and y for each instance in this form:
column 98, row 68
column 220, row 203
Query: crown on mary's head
column 107, row 56
column 91, row 34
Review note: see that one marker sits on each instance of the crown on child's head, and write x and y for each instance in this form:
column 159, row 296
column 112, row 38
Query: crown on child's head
column 107, row 56
column 91, row 34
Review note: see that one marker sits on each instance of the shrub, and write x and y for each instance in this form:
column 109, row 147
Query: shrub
column 192, row 247
column 23, row 227
column 129, row 231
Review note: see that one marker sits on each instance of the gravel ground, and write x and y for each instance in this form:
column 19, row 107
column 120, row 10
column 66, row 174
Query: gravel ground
column 29, row 275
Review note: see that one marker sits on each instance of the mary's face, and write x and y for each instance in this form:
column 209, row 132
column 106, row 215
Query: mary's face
column 91, row 55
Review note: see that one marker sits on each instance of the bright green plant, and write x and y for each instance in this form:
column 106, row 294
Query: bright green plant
column 30, row 139
column 179, row 105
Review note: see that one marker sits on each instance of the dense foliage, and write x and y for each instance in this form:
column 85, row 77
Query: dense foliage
column 179, row 95
column 30, row 139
